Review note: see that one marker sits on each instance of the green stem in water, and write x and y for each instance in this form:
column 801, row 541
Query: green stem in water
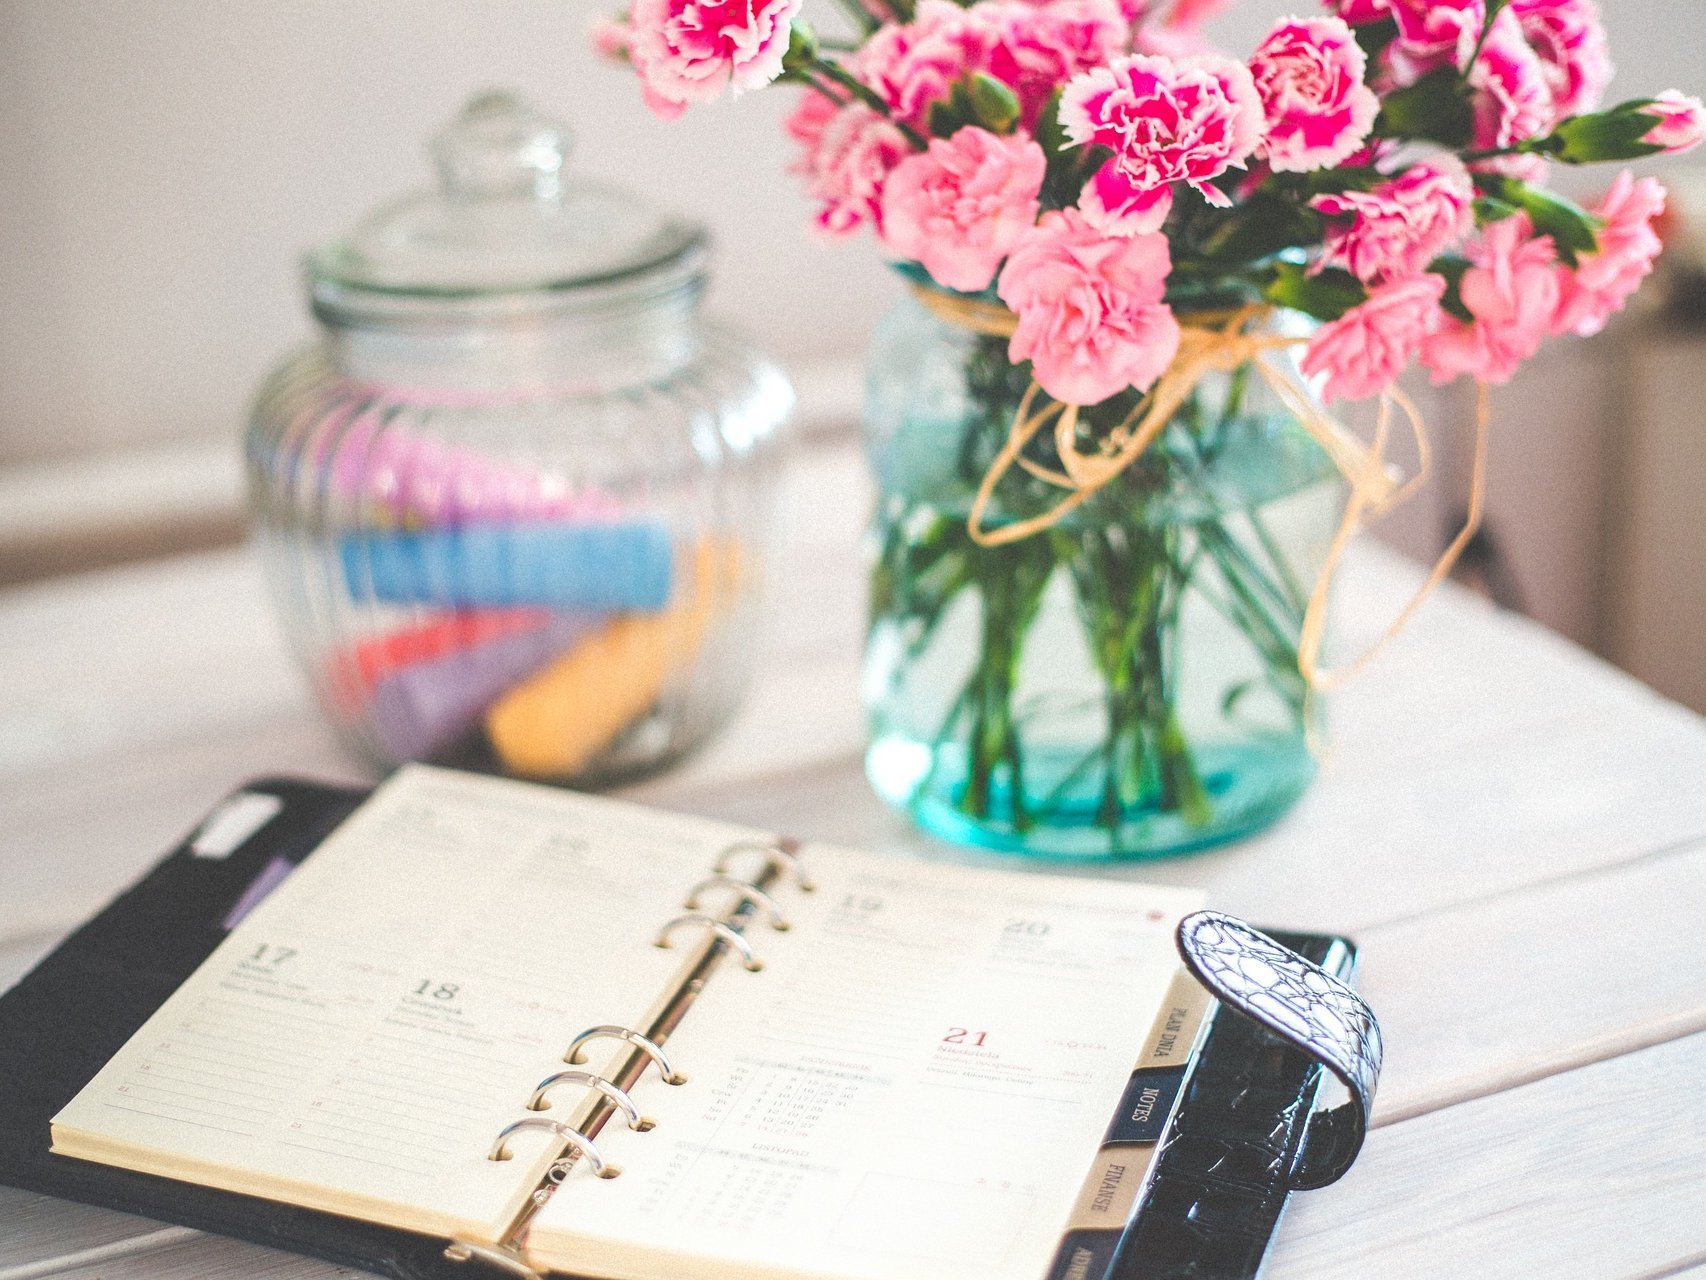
column 1131, row 588
column 1011, row 582
column 1296, row 597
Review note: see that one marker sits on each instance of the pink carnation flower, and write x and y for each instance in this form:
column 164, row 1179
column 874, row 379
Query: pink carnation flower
column 806, row 124
column 1032, row 47
column 1432, row 33
column 1176, row 43
column 960, row 207
column 848, row 162
column 1362, row 353
column 1682, row 122
column 692, row 50
column 613, row 38
column 911, row 65
column 1513, row 101
column 1166, row 121
column 1606, row 279
column 1309, row 73
column 1360, row 12
column 1040, row 46
column 1193, row 13
column 1569, row 38
column 1401, row 226
column 1512, row 291
column 1091, row 317
column 1179, row 15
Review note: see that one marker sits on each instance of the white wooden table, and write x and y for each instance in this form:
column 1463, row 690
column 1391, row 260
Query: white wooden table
column 1515, row 832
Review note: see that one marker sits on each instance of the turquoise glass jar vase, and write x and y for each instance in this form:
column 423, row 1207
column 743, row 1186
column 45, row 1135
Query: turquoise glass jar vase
column 1123, row 683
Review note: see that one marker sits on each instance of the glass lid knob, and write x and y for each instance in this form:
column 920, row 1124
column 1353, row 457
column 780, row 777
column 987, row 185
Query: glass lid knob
column 500, row 148
column 503, row 220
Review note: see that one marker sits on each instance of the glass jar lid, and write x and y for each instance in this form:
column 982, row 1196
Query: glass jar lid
column 508, row 232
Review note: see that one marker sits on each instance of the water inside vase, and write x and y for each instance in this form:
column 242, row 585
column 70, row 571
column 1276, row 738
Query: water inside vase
column 1204, row 742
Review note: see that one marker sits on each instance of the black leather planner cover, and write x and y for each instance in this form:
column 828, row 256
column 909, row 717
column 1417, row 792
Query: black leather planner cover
column 1223, row 1166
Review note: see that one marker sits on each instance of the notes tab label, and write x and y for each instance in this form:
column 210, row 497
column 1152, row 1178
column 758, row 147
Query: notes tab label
column 1147, row 1105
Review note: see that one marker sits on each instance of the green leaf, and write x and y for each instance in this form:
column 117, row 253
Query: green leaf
column 944, row 119
column 1573, row 229
column 1492, row 209
column 1069, row 165
column 1436, row 108
column 948, row 116
column 1051, row 136
column 1265, row 224
column 1374, row 37
column 975, row 99
column 1453, row 269
column 1332, row 182
column 1326, row 295
column 1232, row 697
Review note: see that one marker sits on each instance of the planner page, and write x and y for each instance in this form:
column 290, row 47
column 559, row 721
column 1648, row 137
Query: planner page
column 914, row 1086
column 361, row 1037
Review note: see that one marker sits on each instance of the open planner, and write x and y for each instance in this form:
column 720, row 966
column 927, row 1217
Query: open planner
column 550, row 1032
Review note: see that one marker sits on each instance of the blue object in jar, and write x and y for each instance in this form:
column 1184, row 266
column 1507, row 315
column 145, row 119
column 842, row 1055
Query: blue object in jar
column 606, row 566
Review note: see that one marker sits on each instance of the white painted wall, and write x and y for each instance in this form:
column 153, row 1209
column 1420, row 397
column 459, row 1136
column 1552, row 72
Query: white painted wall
column 163, row 162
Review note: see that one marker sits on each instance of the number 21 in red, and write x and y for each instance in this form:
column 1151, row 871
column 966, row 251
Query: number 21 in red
column 960, row 1035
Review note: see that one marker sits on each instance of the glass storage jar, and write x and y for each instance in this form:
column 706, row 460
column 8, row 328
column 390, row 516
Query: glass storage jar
column 514, row 503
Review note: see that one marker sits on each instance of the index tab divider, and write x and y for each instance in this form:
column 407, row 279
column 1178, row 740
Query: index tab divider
column 1113, row 1191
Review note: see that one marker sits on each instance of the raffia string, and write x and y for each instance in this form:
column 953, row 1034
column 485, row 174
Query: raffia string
column 1221, row 342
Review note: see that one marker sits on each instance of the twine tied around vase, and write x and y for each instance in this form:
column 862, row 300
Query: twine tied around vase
column 1221, row 342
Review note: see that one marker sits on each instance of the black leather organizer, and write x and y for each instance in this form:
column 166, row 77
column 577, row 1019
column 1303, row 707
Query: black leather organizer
column 1247, row 1132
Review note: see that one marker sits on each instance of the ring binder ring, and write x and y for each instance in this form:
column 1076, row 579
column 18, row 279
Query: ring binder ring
column 574, row 1137
column 574, row 1056
column 618, row 1096
column 722, row 930
column 749, row 892
column 779, row 857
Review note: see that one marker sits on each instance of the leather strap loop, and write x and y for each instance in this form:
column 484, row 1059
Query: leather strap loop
column 1306, row 1006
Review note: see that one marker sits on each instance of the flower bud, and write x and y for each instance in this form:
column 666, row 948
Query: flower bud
column 1681, row 122
column 1617, row 134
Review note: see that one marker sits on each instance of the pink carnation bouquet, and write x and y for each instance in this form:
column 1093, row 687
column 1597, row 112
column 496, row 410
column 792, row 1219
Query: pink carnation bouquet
column 1137, row 236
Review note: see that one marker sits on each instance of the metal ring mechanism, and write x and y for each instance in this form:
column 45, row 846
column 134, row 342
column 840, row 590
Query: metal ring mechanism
column 617, row 1095
column 748, row 893
column 574, row 1057
column 778, row 856
column 723, row 931
column 574, row 1137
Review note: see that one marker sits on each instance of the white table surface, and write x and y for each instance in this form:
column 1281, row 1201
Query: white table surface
column 1515, row 833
